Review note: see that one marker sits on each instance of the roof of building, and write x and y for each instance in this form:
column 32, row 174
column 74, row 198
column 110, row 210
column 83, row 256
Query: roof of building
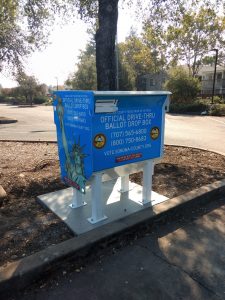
column 210, row 68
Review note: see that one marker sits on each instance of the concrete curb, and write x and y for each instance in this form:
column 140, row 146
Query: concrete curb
column 23, row 272
column 28, row 141
column 2, row 193
column 202, row 149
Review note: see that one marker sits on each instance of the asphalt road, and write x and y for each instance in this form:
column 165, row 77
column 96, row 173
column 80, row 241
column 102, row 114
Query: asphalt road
column 34, row 123
column 206, row 132
column 37, row 124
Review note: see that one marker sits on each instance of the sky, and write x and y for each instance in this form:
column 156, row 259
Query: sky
column 58, row 59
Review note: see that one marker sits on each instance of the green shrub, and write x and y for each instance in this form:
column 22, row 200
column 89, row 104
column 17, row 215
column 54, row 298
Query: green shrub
column 218, row 100
column 12, row 100
column 183, row 87
column 217, row 110
column 16, row 100
column 40, row 100
column 182, row 108
column 2, row 99
column 49, row 101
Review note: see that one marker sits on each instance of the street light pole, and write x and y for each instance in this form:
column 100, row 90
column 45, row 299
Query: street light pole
column 214, row 75
column 117, row 63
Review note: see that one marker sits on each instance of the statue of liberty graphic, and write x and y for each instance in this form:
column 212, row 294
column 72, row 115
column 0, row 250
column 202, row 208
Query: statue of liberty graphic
column 75, row 160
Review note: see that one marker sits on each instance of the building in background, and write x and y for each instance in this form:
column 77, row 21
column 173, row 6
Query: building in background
column 206, row 77
column 155, row 81
column 152, row 81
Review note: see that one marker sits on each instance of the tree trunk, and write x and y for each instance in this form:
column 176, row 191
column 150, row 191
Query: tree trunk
column 105, row 45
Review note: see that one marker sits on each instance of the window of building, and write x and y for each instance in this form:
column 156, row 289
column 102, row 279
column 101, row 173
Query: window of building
column 151, row 82
column 209, row 77
column 219, row 76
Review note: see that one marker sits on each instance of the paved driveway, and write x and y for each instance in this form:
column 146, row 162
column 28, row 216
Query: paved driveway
column 195, row 131
column 34, row 123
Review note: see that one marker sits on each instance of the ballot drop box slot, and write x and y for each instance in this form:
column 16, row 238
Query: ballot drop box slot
column 105, row 135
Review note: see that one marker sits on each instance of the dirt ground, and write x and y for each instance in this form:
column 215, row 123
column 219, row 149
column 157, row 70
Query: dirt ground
column 31, row 169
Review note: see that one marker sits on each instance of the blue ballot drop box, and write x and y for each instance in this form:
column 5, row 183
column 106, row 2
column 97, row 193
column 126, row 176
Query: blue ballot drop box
column 103, row 132
column 103, row 136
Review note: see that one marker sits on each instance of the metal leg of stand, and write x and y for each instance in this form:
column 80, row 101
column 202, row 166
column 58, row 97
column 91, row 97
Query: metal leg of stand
column 96, row 200
column 124, row 184
column 77, row 199
column 147, row 181
column 153, row 167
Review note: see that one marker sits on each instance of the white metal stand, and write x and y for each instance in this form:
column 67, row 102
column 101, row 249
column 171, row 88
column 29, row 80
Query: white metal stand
column 96, row 200
column 77, row 199
column 147, row 181
column 124, row 184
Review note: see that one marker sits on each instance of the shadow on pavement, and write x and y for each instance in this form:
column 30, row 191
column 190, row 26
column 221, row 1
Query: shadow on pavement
column 180, row 258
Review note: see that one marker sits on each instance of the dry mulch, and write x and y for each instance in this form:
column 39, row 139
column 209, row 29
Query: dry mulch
column 31, row 169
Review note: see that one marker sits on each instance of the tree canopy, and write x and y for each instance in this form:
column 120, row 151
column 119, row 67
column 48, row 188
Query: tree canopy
column 189, row 31
column 188, row 38
column 21, row 30
column 29, row 87
column 85, row 77
column 24, row 26
column 183, row 87
column 195, row 36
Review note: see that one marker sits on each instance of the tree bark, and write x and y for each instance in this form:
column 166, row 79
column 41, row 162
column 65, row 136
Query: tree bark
column 105, row 45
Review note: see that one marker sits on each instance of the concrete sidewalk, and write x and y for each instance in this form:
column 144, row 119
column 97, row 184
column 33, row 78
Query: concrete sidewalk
column 184, row 259
column 179, row 261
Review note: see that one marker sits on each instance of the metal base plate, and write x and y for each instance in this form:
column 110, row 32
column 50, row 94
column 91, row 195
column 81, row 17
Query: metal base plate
column 92, row 221
column 74, row 206
column 117, row 205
